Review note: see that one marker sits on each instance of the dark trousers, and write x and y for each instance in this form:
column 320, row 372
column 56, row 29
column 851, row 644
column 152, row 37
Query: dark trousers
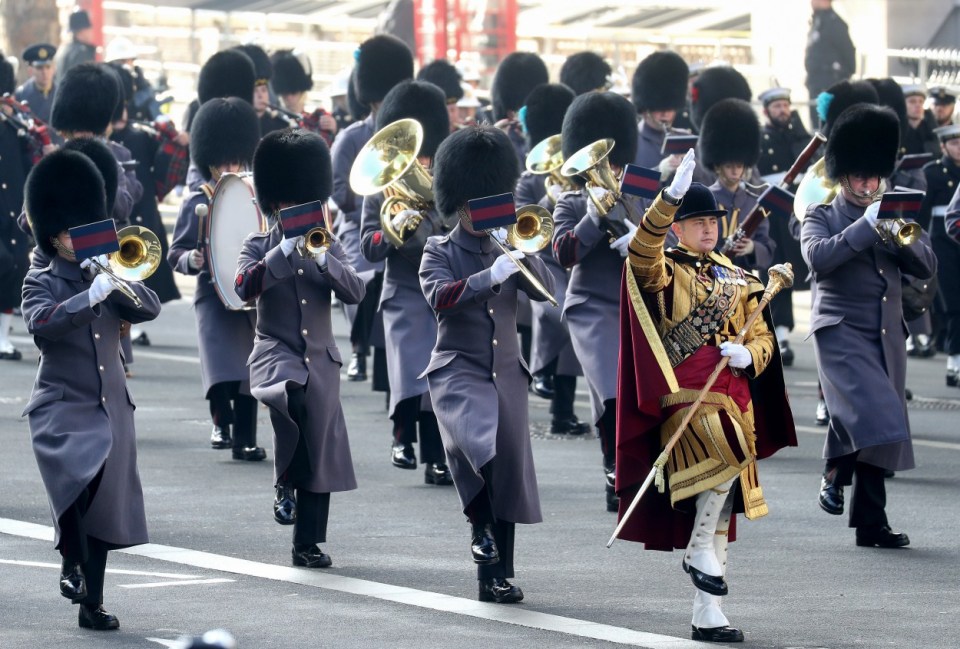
column 868, row 506
column 366, row 313
column 564, row 392
column 480, row 512
column 781, row 308
column 229, row 407
column 313, row 509
column 77, row 546
column 406, row 417
column 607, row 427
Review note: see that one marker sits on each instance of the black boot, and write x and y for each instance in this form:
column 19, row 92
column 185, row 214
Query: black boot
column 953, row 378
column 542, row 386
column 73, row 584
column 249, row 453
column 402, row 456
column 500, row 591
column 786, row 354
column 881, row 537
column 220, row 437
column 311, row 556
column 717, row 634
column 96, row 618
column 285, row 505
column 823, row 415
column 437, row 473
column 357, row 370
column 831, row 494
column 610, row 475
column 482, row 545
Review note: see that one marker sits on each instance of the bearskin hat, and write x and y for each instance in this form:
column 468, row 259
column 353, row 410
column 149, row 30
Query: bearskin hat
column 8, row 79
column 382, row 62
column 730, row 132
column 85, row 99
column 229, row 73
column 79, row 197
column 473, row 162
column 584, row 72
column 698, row 201
column 598, row 115
column 542, row 115
column 890, row 94
column 289, row 74
column 442, row 73
column 422, row 101
column 660, row 82
column 714, row 84
column 358, row 110
column 262, row 66
column 291, row 167
column 841, row 96
column 106, row 163
column 516, row 76
column 127, row 84
column 864, row 140
column 223, row 131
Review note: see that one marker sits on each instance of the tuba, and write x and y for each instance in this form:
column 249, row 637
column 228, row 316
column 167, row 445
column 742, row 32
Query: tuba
column 591, row 164
column 546, row 158
column 388, row 163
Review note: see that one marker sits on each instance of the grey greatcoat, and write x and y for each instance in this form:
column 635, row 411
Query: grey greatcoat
column 81, row 412
column 478, row 380
column 551, row 338
column 410, row 328
column 859, row 333
column 346, row 146
column 649, row 145
column 225, row 337
column 295, row 346
column 592, row 307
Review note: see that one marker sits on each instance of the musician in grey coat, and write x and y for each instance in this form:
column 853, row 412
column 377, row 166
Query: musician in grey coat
column 477, row 377
column 594, row 247
column 81, row 412
column 659, row 92
column 410, row 329
column 857, row 322
column 223, row 137
column 295, row 363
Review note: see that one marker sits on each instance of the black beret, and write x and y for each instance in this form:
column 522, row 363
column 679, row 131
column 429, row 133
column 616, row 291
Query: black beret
column 599, row 115
column 660, row 82
column 382, row 62
column 516, row 76
column 442, row 73
column 229, row 73
column 85, row 99
column 291, row 167
column 289, row 74
column 864, row 140
column 62, row 191
column 544, row 111
column 730, row 132
column 474, row 162
column 585, row 72
column 223, row 131
column 422, row 101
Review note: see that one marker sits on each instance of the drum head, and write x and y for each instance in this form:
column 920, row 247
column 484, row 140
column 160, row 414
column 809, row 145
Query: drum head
column 233, row 216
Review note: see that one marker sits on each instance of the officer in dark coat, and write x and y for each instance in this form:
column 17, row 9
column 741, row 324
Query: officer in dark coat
column 593, row 247
column 830, row 55
column 408, row 321
column 270, row 118
column 918, row 135
column 659, row 91
column 16, row 159
column 517, row 74
column 553, row 360
column 81, row 49
column 295, row 363
column 478, row 380
column 81, row 412
column 943, row 180
column 857, row 322
column 223, row 138
column 38, row 91
column 585, row 72
column 944, row 103
column 382, row 62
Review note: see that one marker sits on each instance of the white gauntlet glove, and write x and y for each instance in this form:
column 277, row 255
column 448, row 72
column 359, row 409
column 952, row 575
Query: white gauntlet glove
column 100, row 289
column 500, row 234
column 103, row 260
column 667, row 166
column 400, row 219
column 196, row 260
column 871, row 213
column 600, row 194
column 322, row 261
column 739, row 356
column 684, row 176
column 503, row 268
column 287, row 245
column 622, row 245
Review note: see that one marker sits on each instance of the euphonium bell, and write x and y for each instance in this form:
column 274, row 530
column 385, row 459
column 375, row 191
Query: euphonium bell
column 388, row 163
column 591, row 164
column 139, row 255
column 547, row 158
column 533, row 230
column 814, row 189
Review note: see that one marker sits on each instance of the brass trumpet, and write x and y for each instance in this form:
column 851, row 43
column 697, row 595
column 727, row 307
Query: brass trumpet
column 591, row 163
column 138, row 258
column 902, row 233
column 388, row 163
column 547, row 158
column 532, row 232
column 314, row 243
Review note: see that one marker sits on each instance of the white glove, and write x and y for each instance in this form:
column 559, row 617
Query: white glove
column 87, row 263
column 739, row 356
column 684, row 176
column 196, row 260
column 667, row 166
column 500, row 234
column 287, row 245
column 503, row 268
column 622, row 245
column 401, row 218
column 554, row 190
column 601, row 195
column 100, row 289
column 870, row 214
column 322, row 260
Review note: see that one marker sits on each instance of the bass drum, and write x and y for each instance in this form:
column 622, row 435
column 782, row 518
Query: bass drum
column 233, row 216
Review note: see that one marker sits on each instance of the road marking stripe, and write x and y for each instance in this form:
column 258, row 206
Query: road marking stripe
column 520, row 616
column 115, row 571
column 822, row 430
column 189, row 582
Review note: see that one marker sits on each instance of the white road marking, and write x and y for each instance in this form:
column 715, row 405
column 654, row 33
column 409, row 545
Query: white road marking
column 115, row 571
column 165, row 643
column 187, row 582
column 520, row 616
column 822, row 430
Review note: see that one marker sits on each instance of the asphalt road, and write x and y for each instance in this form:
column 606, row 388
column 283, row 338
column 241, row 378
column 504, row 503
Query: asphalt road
column 402, row 575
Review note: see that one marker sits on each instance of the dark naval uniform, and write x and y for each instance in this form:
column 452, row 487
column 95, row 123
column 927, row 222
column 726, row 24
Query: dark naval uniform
column 15, row 245
column 38, row 101
column 940, row 204
column 780, row 146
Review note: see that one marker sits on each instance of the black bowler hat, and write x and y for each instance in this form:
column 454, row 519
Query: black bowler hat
column 39, row 54
column 699, row 201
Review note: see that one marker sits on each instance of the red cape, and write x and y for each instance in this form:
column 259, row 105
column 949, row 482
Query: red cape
column 642, row 381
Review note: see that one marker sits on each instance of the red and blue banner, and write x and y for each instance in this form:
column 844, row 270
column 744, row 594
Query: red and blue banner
column 640, row 181
column 911, row 162
column 900, row 205
column 300, row 219
column 777, row 200
column 492, row 212
column 678, row 144
column 94, row 239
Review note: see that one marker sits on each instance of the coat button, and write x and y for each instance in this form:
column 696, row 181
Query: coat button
column 97, row 336
column 881, row 271
column 101, row 368
column 103, row 399
column 494, row 375
column 303, row 301
column 776, row 167
column 306, row 359
column 299, row 271
column 884, row 298
column 883, row 331
column 303, row 331
column 495, row 342
column 3, row 185
column 491, row 311
column 949, row 183
column 770, row 151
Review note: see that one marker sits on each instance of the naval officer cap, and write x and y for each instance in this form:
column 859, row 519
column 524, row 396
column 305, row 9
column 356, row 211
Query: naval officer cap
column 39, row 54
column 948, row 132
column 942, row 95
column 774, row 94
column 912, row 89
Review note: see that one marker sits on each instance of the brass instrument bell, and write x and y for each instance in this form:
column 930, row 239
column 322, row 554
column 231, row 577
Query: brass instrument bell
column 591, row 163
column 139, row 256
